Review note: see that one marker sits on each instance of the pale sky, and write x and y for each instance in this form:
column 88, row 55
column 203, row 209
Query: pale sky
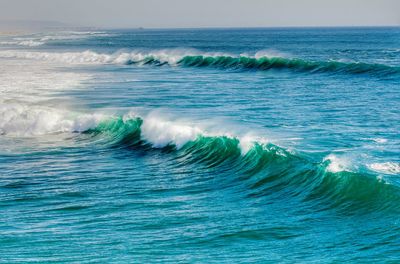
column 205, row 13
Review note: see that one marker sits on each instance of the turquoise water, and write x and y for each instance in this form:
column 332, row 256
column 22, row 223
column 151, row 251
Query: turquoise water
column 240, row 145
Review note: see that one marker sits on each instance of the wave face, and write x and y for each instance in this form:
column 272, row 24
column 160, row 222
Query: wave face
column 262, row 166
column 214, row 60
column 287, row 63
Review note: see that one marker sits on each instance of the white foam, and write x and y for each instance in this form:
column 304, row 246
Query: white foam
column 71, row 35
column 29, row 120
column 249, row 140
column 85, row 32
column 90, row 57
column 385, row 167
column 26, row 91
column 29, row 43
column 32, row 81
column 246, row 143
column 40, row 39
column 380, row 140
column 161, row 133
column 337, row 164
column 269, row 53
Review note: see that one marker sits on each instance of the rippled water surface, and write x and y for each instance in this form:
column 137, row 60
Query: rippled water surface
column 256, row 145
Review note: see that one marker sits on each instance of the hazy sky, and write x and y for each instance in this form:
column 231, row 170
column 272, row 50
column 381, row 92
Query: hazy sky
column 205, row 13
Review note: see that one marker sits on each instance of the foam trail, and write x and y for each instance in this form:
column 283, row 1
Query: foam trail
column 35, row 82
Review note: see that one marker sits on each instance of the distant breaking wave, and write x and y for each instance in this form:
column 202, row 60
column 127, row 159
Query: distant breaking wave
column 213, row 60
column 36, row 40
column 27, row 42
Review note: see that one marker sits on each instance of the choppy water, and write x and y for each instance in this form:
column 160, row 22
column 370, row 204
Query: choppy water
column 257, row 145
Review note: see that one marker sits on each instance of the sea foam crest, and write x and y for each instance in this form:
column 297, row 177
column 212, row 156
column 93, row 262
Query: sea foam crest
column 161, row 133
column 25, row 121
column 28, row 42
column 20, row 120
column 337, row 164
column 386, row 167
column 169, row 56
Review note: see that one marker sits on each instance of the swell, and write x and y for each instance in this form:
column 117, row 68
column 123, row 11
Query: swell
column 263, row 168
column 213, row 60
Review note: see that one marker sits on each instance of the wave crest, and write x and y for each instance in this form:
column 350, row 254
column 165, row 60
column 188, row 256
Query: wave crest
column 264, row 168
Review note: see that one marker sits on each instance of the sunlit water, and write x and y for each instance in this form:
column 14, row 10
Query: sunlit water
column 264, row 145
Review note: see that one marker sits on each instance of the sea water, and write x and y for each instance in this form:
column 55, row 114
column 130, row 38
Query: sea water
column 224, row 145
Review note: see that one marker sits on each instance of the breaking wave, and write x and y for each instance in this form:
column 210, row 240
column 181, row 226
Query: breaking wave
column 263, row 167
column 185, row 58
column 28, row 42
column 36, row 40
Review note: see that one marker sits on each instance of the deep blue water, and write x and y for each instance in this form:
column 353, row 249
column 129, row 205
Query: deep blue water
column 226, row 146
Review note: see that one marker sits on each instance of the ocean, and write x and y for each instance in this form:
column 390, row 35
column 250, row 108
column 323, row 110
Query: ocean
column 276, row 145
